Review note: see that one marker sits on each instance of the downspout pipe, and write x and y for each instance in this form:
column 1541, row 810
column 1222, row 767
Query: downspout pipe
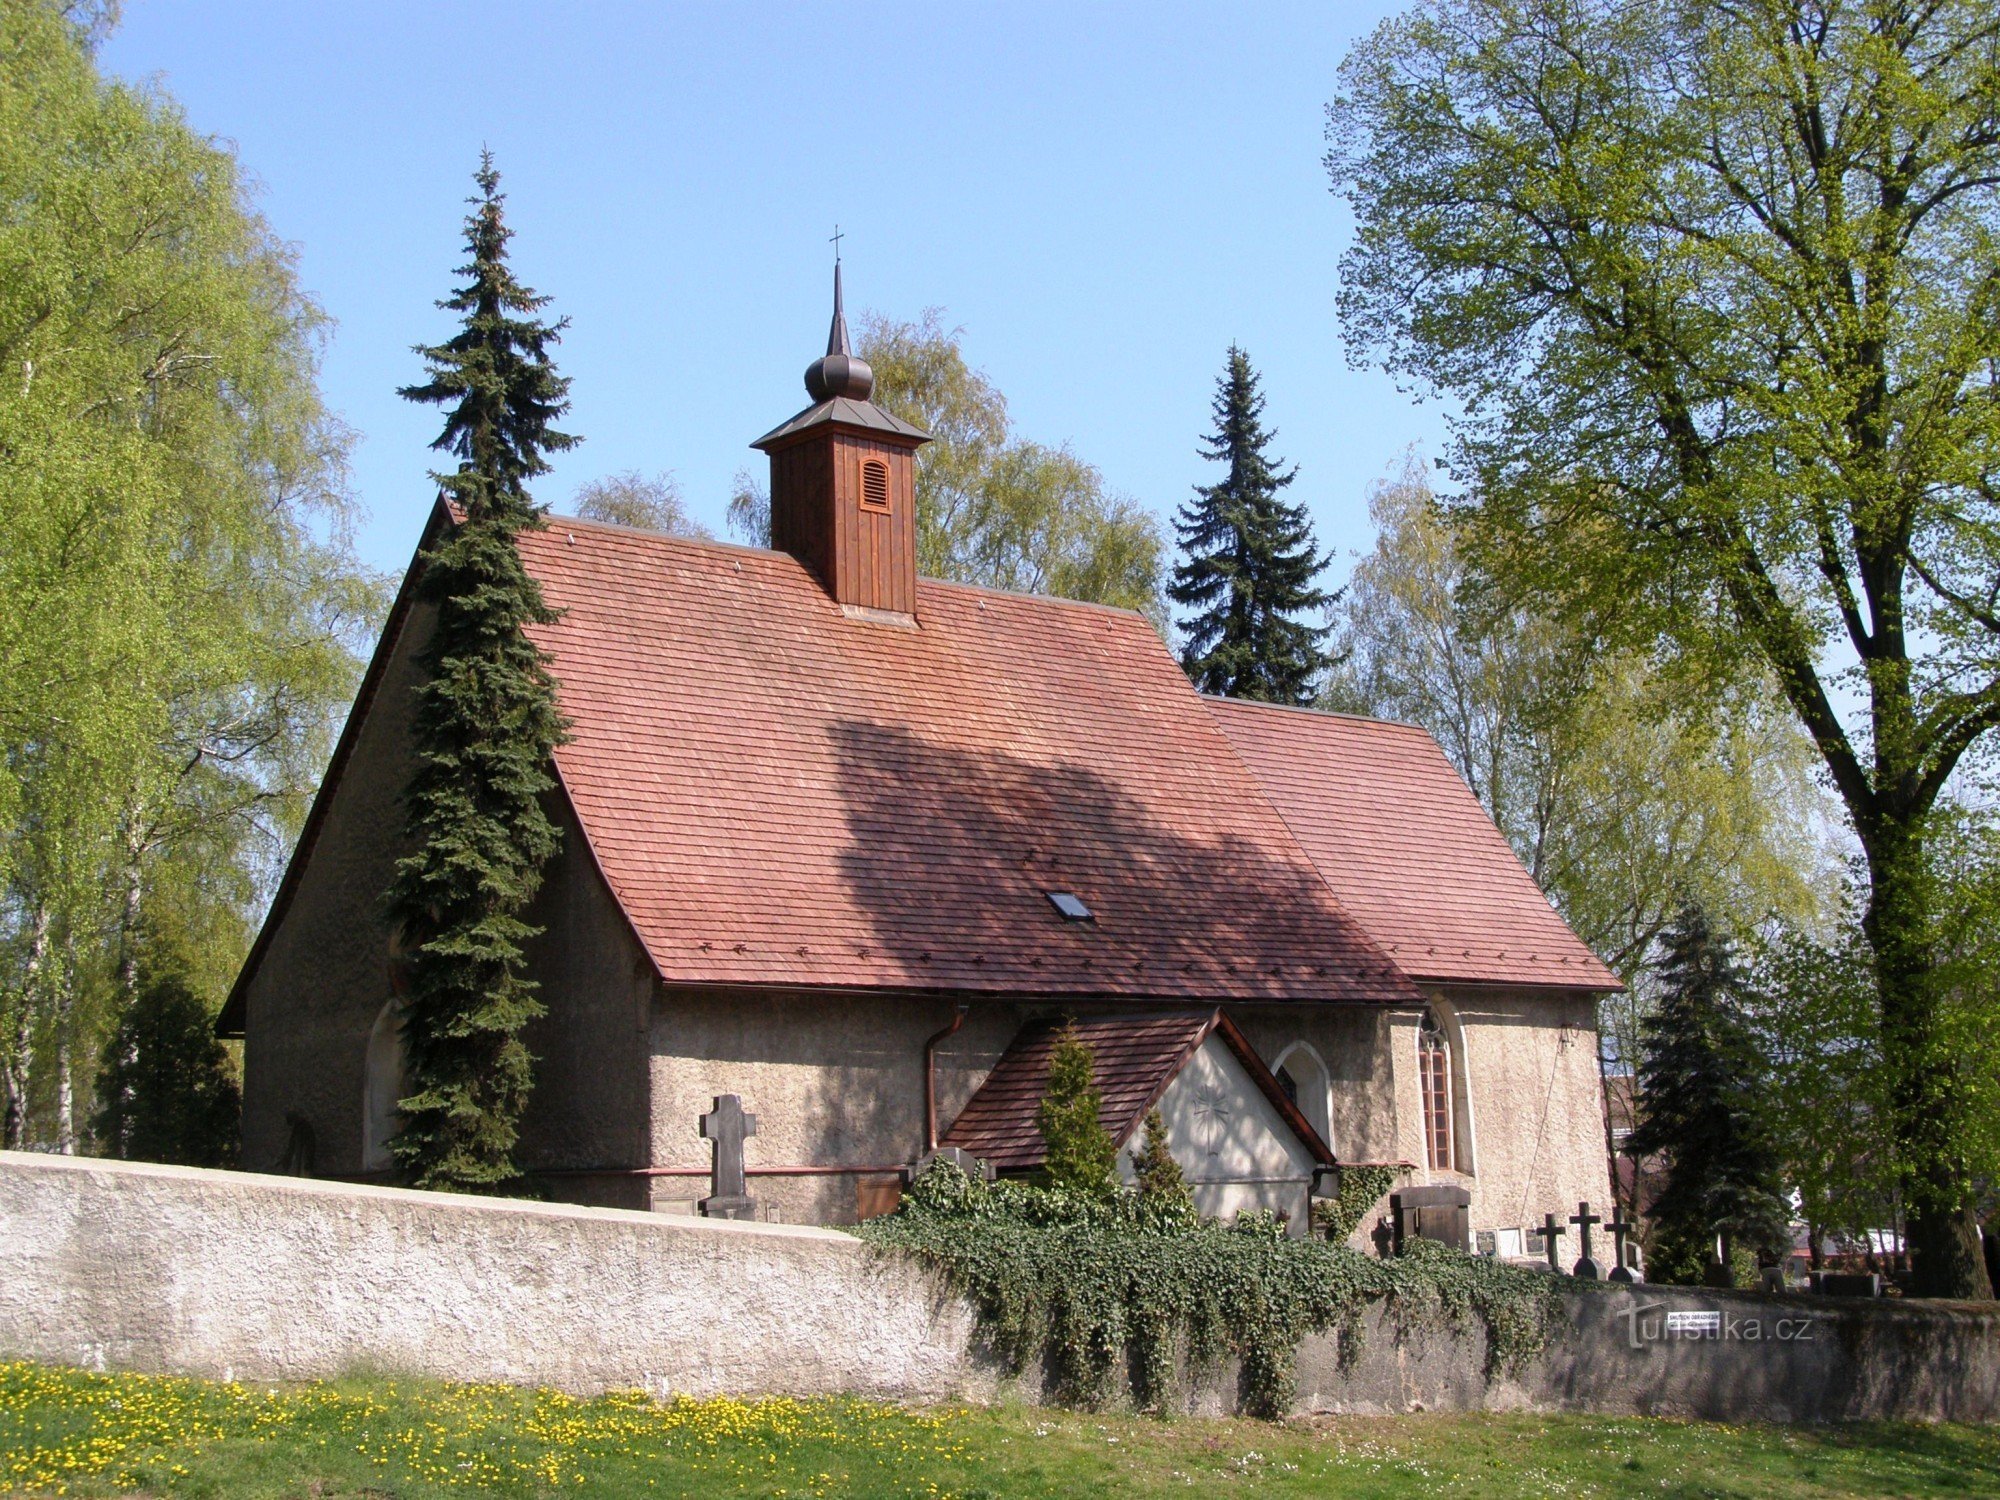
column 930, row 1078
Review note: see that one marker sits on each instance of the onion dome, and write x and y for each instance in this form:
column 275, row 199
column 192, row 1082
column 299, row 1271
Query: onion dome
column 839, row 372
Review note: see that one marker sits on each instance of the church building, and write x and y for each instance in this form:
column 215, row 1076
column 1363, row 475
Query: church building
column 849, row 844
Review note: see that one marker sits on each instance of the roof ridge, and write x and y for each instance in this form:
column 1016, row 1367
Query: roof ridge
column 557, row 519
column 997, row 592
column 1317, row 713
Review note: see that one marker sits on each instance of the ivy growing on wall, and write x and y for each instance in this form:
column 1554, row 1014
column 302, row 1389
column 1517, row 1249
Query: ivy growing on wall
column 1359, row 1189
column 1079, row 1285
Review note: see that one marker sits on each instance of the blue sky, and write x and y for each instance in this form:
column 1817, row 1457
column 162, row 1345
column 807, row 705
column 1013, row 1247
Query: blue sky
column 1104, row 197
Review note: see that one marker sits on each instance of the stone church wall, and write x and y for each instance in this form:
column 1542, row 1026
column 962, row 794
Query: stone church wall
column 115, row 1265
column 1530, row 1107
column 836, row 1084
column 1527, row 1107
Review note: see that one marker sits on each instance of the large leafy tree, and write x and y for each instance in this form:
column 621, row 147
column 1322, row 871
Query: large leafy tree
column 1713, row 288
column 1815, row 1022
column 486, row 725
column 996, row 508
column 1250, row 569
column 1700, row 1078
column 181, row 602
column 1622, row 797
column 649, row 502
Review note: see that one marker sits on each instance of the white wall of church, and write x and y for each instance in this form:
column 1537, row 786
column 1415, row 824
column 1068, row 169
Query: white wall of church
column 1528, row 1110
column 836, row 1084
column 1233, row 1147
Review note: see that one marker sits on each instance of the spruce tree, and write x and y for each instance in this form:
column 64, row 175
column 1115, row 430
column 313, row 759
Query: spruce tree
column 1250, row 568
column 1699, row 1092
column 486, row 724
column 1080, row 1151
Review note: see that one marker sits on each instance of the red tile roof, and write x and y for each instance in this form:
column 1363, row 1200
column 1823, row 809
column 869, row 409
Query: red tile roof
column 1133, row 1059
column 1407, row 848
column 779, row 794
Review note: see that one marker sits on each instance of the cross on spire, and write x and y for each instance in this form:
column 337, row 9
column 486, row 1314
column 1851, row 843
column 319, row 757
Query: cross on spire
column 834, row 239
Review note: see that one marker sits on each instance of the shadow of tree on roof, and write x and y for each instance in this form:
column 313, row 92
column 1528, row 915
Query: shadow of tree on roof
column 952, row 853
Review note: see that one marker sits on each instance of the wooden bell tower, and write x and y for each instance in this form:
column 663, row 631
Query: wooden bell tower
column 843, row 485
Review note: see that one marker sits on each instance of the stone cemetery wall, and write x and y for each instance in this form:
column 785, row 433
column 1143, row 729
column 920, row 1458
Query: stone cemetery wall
column 233, row 1275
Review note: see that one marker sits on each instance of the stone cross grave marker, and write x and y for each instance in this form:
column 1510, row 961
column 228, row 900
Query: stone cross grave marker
column 1583, row 1218
column 725, row 1128
column 1552, row 1231
column 1619, row 1228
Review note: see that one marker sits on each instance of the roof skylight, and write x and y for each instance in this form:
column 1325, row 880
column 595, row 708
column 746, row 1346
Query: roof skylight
column 1071, row 907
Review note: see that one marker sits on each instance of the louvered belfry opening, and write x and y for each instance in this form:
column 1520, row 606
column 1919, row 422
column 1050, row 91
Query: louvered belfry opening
column 843, row 484
column 874, row 484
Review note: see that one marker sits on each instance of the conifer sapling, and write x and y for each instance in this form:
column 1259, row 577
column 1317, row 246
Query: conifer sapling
column 1081, row 1153
column 1160, row 1180
column 1700, row 1107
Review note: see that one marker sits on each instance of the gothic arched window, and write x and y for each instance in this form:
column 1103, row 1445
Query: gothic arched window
column 1434, row 1081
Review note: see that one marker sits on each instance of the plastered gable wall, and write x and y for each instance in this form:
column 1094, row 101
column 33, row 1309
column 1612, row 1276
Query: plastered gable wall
column 324, row 975
column 1528, row 1103
column 590, row 1109
column 834, row 1081
column 324, row 978
column 1233, row 1147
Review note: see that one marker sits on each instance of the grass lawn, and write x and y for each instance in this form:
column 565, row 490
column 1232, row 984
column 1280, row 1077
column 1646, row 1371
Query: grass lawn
column 67, row 1432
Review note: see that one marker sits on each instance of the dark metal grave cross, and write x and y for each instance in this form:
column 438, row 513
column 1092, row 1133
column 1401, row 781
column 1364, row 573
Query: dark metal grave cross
column 1552, row 1231
column 725, row 1128
column 1619, row 1228
column 1384, row 1238
column 1583, row 1218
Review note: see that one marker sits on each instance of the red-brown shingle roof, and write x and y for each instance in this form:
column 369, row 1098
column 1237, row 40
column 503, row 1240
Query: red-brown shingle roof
column 780, row 794
column 1133, row 1059
column 1407, row 848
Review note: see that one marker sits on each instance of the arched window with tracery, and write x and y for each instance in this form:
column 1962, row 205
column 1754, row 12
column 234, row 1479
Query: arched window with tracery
column 1434, row 1081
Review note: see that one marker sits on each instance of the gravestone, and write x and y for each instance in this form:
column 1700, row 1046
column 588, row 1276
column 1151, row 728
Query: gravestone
column 1552, row 1230
column 725, row 1128
column 1440, row 1213
column 1585, row 1268
column 1620, row 1227
column 1846, row 1284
